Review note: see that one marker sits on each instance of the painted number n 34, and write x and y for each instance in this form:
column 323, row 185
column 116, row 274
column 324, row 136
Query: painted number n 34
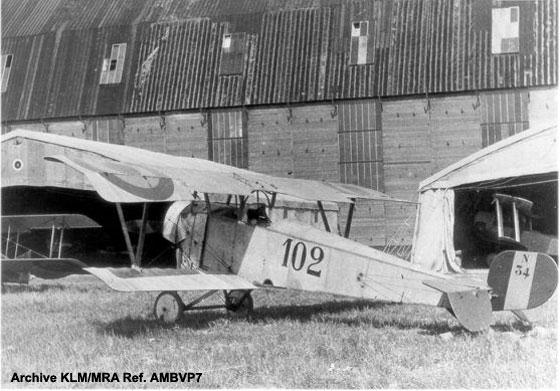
column 297, row 257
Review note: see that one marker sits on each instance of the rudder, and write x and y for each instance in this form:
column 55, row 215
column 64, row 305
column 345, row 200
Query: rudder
column 521, row 280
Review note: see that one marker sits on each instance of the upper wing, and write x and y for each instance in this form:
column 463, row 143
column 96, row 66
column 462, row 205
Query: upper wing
column 126, row 182
column 122, row 173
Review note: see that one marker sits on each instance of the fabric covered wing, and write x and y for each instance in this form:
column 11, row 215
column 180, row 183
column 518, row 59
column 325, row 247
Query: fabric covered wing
column 122, row 173
column 124, row 279
column 118, row 181
column 23, row 223
column 132, row 280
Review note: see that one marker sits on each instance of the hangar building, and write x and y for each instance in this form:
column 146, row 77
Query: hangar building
column 380, row 93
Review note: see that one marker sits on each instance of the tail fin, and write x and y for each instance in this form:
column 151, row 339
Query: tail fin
column 521, row 280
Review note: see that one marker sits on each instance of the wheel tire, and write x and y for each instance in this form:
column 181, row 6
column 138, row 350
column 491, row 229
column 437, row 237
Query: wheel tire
column 240, row 303
column 168, row 307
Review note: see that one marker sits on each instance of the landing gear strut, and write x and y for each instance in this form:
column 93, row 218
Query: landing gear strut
column 169, row 307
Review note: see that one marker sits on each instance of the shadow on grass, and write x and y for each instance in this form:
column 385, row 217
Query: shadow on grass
column 23, row 288
column 513, row 326
column 130, row 327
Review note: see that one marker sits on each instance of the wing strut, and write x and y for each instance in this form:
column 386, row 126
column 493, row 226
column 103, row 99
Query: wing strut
column 52, row 241
column 126, row 235
column 8, row 240
column 349, row 218
column 206, row 227
column 324, row 216
column 142, row 235
column 272, row 200
column 17, row 245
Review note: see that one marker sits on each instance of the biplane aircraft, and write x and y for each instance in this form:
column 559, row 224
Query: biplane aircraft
column 233, row 246
column 510, row 227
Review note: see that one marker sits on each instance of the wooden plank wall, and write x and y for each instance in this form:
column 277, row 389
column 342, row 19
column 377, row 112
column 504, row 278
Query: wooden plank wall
column 455, row 129
column 419, row 137
column 144, row 132
column 187, row 135
column 270, row 142
column 543, row 107
column 298, row 142
column 177, row 134
column 407, row 158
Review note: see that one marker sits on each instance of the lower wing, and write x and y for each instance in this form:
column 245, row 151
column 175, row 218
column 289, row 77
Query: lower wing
column 124, row 279
column 134, row 280
column 48, row 268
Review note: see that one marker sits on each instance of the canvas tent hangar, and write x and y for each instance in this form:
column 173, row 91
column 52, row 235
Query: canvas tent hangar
column 523, row 165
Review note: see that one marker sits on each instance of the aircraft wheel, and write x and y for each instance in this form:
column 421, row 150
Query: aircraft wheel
column 168, row 307
column 239, row 302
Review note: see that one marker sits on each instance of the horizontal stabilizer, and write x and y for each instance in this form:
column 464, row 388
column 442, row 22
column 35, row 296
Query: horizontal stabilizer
column 471, row 306
column 132, row 280
column 452, row 285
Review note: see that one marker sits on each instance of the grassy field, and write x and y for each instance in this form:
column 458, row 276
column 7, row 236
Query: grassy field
column 295, row 340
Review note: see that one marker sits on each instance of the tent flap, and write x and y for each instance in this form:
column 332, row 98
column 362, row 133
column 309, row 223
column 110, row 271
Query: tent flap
column 433, row 237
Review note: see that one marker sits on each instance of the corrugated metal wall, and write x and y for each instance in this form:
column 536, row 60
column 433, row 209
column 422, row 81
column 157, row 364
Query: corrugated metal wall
column 295, row 51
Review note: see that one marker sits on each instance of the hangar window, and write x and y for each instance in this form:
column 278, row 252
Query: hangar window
column 505, row 30
column 359, row 43
column 360, row 144
column 112, row 68
column 233, row 54
column 6, row 67
column 227, row 131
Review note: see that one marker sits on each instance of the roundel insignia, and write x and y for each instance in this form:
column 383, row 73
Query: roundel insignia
column 17, row 164
column 152, row 189
column 149, row 184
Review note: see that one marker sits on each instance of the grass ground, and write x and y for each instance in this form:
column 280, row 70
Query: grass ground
column 295, row 340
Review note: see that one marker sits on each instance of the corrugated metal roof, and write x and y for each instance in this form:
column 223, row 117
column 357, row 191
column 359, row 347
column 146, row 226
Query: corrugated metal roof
column 296, row 51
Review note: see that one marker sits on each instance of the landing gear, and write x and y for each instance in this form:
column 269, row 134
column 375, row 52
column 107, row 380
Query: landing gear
column 168, row 307
column 239, row 302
